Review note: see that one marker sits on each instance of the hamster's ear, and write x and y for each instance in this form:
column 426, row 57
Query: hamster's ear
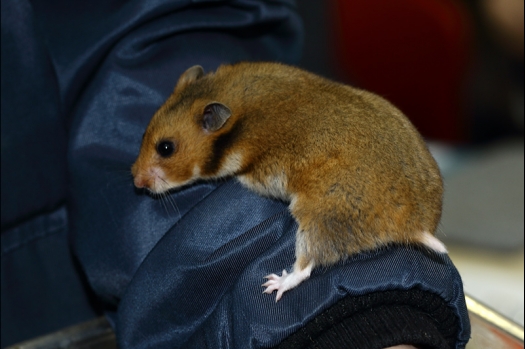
column 215, row 116
column 189, row 76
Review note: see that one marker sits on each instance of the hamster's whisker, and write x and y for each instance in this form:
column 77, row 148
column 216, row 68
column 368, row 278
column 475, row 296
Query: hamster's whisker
column 173, row 204
column 162, row 197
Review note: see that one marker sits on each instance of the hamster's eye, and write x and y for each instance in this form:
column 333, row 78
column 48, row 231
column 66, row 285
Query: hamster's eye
column 165, row 148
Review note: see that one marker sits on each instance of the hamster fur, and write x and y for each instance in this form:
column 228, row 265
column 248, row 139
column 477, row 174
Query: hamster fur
column 356, row 172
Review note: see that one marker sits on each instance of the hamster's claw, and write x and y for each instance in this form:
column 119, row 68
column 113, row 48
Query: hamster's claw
column 275, row 282
column 287, row 281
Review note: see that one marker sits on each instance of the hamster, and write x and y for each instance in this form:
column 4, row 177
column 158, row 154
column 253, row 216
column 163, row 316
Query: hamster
column 355, row 171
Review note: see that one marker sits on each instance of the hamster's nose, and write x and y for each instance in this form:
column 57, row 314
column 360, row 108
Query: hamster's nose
column 140, row 181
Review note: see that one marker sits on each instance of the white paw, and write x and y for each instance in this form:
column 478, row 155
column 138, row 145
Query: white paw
column 286, row 281
column 275, row 282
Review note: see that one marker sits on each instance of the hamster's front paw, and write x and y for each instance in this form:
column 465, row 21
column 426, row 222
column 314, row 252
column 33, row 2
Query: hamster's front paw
column 285, row 282
column 275, row 282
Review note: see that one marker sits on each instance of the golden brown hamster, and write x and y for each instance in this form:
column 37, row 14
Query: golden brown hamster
column 356, row 172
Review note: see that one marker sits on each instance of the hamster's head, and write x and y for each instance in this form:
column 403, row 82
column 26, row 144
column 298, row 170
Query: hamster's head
column 179, row 139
